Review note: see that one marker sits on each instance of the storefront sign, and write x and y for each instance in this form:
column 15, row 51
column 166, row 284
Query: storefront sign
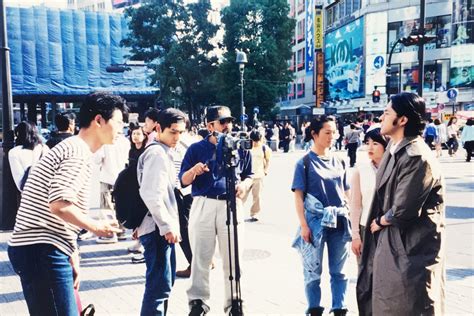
column 319, row 78
column 318, row 28
column 309, row 36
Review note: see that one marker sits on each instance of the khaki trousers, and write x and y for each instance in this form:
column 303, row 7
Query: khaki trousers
column 207, row 223
column 255, row 190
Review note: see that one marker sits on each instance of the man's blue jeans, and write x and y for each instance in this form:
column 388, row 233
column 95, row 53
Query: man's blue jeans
column 46, row 277
column 338, row 252
column 160, row 260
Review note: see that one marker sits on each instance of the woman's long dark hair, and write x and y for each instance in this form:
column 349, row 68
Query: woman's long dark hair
column 26, row 135
column 451, row 120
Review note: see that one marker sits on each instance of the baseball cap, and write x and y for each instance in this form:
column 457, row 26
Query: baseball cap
column 217, row 113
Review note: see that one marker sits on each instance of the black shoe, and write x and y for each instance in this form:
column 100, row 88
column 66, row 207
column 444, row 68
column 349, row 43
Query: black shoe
column 251, row 220
column 317, row 311
column 340, row 312
column 197, row 308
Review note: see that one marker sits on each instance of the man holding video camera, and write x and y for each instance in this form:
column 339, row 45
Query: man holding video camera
column 208, row 214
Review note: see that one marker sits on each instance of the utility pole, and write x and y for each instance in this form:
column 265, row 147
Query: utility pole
column 9, row 192
column 421, row 50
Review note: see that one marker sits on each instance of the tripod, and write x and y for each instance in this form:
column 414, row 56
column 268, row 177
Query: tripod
column 230, row 160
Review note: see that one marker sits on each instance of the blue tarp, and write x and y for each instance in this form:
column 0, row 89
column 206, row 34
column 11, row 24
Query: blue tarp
column 66, row 52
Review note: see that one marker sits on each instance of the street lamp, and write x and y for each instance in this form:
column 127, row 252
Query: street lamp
column 9, row 197
column 241, row 60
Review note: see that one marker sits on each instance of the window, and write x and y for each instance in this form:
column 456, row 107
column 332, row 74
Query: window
column 291, row 91
column 342, row 8
column 441, row 27
column 436, row 75
column 292, row 62
column 292, row 8
column 300, row 59
column 300, row 31
column 300, row 6
column 348, row 7
column 300, row 88
column 394, row 82
column 398, row 30
column 355, row 5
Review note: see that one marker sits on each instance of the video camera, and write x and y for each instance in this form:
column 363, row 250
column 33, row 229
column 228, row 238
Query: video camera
column 236, row 141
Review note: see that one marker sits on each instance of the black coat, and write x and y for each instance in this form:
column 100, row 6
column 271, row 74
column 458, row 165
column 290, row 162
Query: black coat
column 402, row 266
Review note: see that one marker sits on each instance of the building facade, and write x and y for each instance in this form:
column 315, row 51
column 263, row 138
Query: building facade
column 358, row 38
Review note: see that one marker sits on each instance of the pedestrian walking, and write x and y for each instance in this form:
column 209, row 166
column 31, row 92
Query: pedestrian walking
column 208, row 214
column 184, row 200
column 138, row 142
column 28, row 150
column 441, row 137
column 276, row 136
column 285, row 137
column 353, row 141
column 43, row 246
column 321, row 191
column 467, row 138
column 292, row 145
column 151, row 121
column 159, row 230
column 65, row 125
column 430, row 134
column 261, row 155
column 363, row 187
column 112, row 159
column 402, row 265
column 453, row 131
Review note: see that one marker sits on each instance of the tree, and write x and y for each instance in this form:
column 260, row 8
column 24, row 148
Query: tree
column 263, row 30
column 175, row 39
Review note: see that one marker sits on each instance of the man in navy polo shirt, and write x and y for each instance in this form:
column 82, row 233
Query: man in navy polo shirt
column 208, row 212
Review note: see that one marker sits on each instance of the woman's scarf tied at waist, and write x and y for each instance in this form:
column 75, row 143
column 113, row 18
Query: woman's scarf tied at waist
column 319, row 218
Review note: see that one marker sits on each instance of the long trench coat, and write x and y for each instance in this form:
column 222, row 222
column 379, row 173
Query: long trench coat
column 402, row 266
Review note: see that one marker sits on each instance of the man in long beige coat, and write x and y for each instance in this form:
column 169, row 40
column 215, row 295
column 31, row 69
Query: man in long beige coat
column 402, row 267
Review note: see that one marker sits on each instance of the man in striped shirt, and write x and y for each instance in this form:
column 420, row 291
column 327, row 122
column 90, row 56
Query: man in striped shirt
column 43, row 249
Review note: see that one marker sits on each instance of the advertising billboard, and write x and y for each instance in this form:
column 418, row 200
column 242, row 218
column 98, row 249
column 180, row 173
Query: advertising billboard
column 344, row 61
column 318, row 28
column 462, row 66
column 309, row 36
column 376, row 51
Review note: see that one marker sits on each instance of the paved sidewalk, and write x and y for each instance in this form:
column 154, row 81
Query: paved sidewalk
column 272, row 281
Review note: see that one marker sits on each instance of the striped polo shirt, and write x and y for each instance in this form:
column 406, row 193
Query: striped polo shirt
column 62, row 174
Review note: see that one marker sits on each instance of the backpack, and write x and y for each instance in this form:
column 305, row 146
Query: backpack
column 129, row 206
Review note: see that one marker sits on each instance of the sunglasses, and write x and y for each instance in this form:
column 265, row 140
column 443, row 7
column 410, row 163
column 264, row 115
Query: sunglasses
column 224, row 121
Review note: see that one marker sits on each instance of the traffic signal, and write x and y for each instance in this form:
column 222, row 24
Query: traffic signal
column 417, row 39
column 376, row 96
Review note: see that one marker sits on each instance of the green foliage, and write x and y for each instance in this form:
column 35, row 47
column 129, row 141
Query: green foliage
column 175, row 39
column 263, row 30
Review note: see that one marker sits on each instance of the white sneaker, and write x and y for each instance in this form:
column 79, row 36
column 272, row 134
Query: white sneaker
column 106, row 240
column 136, row 247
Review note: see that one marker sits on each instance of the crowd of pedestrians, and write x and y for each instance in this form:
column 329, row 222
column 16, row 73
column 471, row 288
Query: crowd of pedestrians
column 390, row 214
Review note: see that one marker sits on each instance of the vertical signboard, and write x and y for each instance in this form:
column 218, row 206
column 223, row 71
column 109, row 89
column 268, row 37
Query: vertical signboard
column 375, row 51
column 309, row 37
column 318, row 28
column 319, row 78
column 344, row 61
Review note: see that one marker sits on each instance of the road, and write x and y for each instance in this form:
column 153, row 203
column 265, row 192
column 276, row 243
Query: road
column 272, row 281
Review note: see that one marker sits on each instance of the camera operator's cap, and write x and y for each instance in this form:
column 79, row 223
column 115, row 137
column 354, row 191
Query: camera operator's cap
column 216, row 113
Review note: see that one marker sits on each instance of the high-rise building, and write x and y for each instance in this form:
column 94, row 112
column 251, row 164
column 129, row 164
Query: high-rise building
column 29, row 3
column 358, row 38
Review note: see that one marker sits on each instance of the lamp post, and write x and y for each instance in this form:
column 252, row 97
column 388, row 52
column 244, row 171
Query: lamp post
column 241, row 60
column 9, row 202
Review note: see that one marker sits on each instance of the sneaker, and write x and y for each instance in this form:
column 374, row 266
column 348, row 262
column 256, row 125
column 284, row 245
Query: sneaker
column 138, row 259
column 184, row 273
column 136, row 248
column 251, row 220
column 106, row 240
column 197, row 308
column 121, row 236
column 85, row 235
